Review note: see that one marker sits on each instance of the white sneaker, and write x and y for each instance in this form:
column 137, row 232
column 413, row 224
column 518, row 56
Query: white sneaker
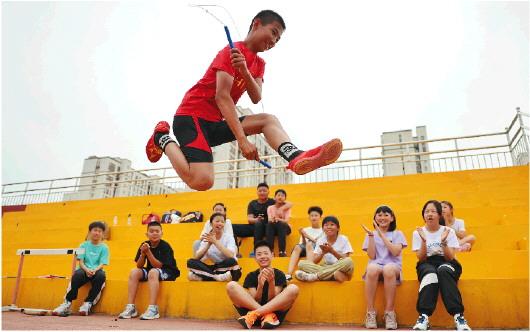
column 227, row 276
column 422, row 323
column 461, row 323
column 193, row 277
column 63, row 309
column 288, row 277
column 390, row 320
column 84, row 310
column 304, row 276
column 129, row 312
column 150, row 313
column 370, row 321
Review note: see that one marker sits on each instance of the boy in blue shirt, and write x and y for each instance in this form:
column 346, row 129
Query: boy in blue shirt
column 90, row 268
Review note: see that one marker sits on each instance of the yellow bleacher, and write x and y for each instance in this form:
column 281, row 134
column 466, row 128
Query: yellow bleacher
column 494, row 283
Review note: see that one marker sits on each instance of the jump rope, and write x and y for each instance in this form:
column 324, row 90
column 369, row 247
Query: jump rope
column 228, row 37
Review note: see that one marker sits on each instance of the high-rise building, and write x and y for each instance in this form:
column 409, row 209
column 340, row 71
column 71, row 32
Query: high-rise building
column 406, row 164
column 241, row 173
column 93, row 184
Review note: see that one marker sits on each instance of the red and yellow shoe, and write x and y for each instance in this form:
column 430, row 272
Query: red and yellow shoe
column 323, row 155
column 153, row 151
column 248, row 320
column 270, row 321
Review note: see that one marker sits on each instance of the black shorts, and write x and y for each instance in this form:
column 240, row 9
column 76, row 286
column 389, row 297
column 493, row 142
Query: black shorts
column 197, row 136
column 163, row 274
column 280, row 314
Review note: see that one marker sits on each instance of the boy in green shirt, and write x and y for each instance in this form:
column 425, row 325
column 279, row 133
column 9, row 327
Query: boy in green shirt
column 90, row 269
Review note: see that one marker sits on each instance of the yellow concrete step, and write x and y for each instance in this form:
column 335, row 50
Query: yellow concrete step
column 489, row 303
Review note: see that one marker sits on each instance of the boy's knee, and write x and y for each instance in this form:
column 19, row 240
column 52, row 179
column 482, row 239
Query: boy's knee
column 153, row 274
column 100, row 275
column 135, row 273
column 270, row 118
column 202, row 184
column 231, row 286
column 293, row 289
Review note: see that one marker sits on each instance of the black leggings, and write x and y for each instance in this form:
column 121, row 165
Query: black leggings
column 207, row 272
column 79, row 278
column 277, row 228
column 436, row 274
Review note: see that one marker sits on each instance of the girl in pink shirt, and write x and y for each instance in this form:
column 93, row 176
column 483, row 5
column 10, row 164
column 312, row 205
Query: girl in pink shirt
column 278, row 223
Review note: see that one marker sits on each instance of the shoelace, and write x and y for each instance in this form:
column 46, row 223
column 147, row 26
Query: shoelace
column 461, row 320
column 421, row 319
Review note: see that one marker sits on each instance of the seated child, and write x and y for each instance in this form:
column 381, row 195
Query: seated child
column 311, row 233
column 334, row 249
column 264, row 295
column 155, row 262
column 90, row 269
column 220, row 247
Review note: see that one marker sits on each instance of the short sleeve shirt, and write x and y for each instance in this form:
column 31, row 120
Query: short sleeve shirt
column 256, row 208
column 273, row 210
column 342, row 246
column 251, row 281
column 383, row 256
column 315, row 233
column 200, row 99
column 94, row 255
column 213, row 253
column 458, row 225
column 434, row 241
column 164, row 253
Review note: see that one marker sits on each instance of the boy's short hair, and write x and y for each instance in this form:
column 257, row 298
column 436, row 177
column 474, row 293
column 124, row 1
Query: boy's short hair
column 280, row 191
column 220, row 204
column 262, row 243
column 332, row 219
column 268, row 16
column 263, row 184
column 154, row 223
column 316, row 209
column 96, row 224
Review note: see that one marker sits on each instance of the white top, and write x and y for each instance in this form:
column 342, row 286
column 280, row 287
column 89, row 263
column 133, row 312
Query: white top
column 458, row 225
column 434, row 241
column 215, row 254
column 227, row 229
column 315, row 233
column 342, row 246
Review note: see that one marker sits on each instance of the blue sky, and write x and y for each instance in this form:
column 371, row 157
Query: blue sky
column 93, row 78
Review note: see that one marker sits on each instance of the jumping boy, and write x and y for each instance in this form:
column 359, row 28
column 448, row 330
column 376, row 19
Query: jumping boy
column 264, row 295
column 207, row 116
column 160, row 265
column 90, row 268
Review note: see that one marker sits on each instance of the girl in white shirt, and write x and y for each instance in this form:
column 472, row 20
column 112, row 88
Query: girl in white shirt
column 438, row 270
column 219, row 247
column 466, row 241
column 334, row 249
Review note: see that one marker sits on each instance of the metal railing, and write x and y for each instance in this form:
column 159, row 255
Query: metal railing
column 491, row 150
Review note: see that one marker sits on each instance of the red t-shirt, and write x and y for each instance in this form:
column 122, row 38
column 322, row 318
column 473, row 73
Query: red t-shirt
column 200, row 99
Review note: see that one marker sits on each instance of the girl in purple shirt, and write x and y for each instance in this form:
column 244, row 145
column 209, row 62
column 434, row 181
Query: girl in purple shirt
column 383, row 247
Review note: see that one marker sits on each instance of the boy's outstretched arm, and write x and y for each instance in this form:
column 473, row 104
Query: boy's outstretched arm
column 228, row 110
column 253, row 86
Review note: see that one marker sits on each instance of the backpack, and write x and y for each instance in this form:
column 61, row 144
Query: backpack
column 147, row 218
column 193, row 216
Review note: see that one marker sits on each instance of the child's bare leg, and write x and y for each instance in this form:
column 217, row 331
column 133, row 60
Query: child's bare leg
column 341, row 276
column 280, row 302
column 240, row 297
column 390, row 274
column 134, row 279
column 269, row 126
column 370, row 285
column 198, row 176
column 154, row 285
column 295, row 256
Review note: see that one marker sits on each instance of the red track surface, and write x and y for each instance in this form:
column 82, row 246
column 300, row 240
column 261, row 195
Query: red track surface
column 19, row 321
